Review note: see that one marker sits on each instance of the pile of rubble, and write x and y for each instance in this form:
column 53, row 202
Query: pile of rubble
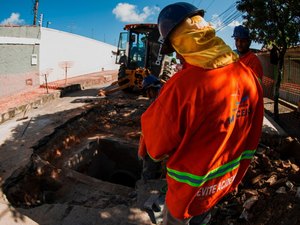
column 270, row 192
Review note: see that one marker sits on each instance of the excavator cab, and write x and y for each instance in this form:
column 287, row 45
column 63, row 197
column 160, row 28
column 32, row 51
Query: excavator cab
column 134, row 57
column 139, row 56
column 139, row 47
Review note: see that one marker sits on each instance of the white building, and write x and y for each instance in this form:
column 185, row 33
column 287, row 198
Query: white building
column 28, row 54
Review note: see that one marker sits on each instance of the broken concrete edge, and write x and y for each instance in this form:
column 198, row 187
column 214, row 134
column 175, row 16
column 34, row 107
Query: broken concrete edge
column 272, row 133
column 70, row 88
column 90, row 181
column 279, row 130
column 40, row 100
column 13, row 112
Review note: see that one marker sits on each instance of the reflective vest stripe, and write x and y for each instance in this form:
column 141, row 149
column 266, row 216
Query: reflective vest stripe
column 197, row 181
column 259, row 81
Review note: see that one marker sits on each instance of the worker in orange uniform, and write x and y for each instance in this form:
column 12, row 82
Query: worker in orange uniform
column 206, row 121
column 242, row 43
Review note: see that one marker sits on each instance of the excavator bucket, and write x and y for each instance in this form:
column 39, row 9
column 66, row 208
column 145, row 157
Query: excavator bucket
column 114, row 87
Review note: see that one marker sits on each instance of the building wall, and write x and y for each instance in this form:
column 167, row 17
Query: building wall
column 28, row 54
column 19, row 68
column 64, row 55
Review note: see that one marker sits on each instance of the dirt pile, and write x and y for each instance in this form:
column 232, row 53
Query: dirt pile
column 270, row 192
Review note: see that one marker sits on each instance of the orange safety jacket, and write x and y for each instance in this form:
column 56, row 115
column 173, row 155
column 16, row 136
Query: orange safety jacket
column 208, row 123
column 251, row 60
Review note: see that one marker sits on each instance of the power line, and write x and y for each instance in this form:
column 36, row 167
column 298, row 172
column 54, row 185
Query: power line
column 209, row 5
column 229, row 20
column 228, row 10
column 227, row 17
column 226, row 13
column 205, row 8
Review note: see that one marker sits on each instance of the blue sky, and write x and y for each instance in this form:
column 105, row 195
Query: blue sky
column 104, row 20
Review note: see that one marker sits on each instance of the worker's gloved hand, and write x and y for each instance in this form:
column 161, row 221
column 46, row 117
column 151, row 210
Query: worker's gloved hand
column 151, row 169
column 151, row 81
column 151, row 85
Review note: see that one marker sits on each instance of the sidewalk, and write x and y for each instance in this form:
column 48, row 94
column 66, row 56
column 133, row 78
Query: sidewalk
column 13, row 105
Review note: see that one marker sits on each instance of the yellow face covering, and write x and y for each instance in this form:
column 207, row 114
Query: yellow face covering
column 197, row 42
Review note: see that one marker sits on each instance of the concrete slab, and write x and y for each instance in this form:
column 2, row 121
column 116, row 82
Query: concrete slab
column 10, row 216
column 269, row 122
column 272, row 133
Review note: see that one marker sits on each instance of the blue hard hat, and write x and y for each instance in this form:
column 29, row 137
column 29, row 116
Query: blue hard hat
column 241, row 32
column 170, row 17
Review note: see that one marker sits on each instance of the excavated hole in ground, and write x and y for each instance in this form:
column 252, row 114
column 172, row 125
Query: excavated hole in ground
column 110, row 160
column 78, row 145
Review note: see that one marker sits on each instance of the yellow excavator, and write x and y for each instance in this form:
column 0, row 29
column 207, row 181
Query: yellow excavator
column 139, row 56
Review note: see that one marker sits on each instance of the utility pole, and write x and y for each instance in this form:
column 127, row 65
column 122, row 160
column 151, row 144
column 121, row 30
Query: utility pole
column 35, row 11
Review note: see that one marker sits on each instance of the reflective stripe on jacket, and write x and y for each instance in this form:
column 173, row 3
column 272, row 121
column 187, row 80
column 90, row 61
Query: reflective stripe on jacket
column 208, row 123
column 198, row 181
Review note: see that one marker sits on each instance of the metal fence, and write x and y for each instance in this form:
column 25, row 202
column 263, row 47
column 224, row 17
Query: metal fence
column 290, row 83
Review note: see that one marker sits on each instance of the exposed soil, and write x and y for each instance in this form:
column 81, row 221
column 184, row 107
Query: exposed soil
column 268, row 195
column 270, row 190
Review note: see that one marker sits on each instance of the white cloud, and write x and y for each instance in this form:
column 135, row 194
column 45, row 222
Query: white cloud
column 14, row 19
column 216, row 21
column 129, row 13
column 218, row 24
column 234, row 23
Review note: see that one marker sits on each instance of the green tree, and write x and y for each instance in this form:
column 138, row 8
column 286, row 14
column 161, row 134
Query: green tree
column 273, row 22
